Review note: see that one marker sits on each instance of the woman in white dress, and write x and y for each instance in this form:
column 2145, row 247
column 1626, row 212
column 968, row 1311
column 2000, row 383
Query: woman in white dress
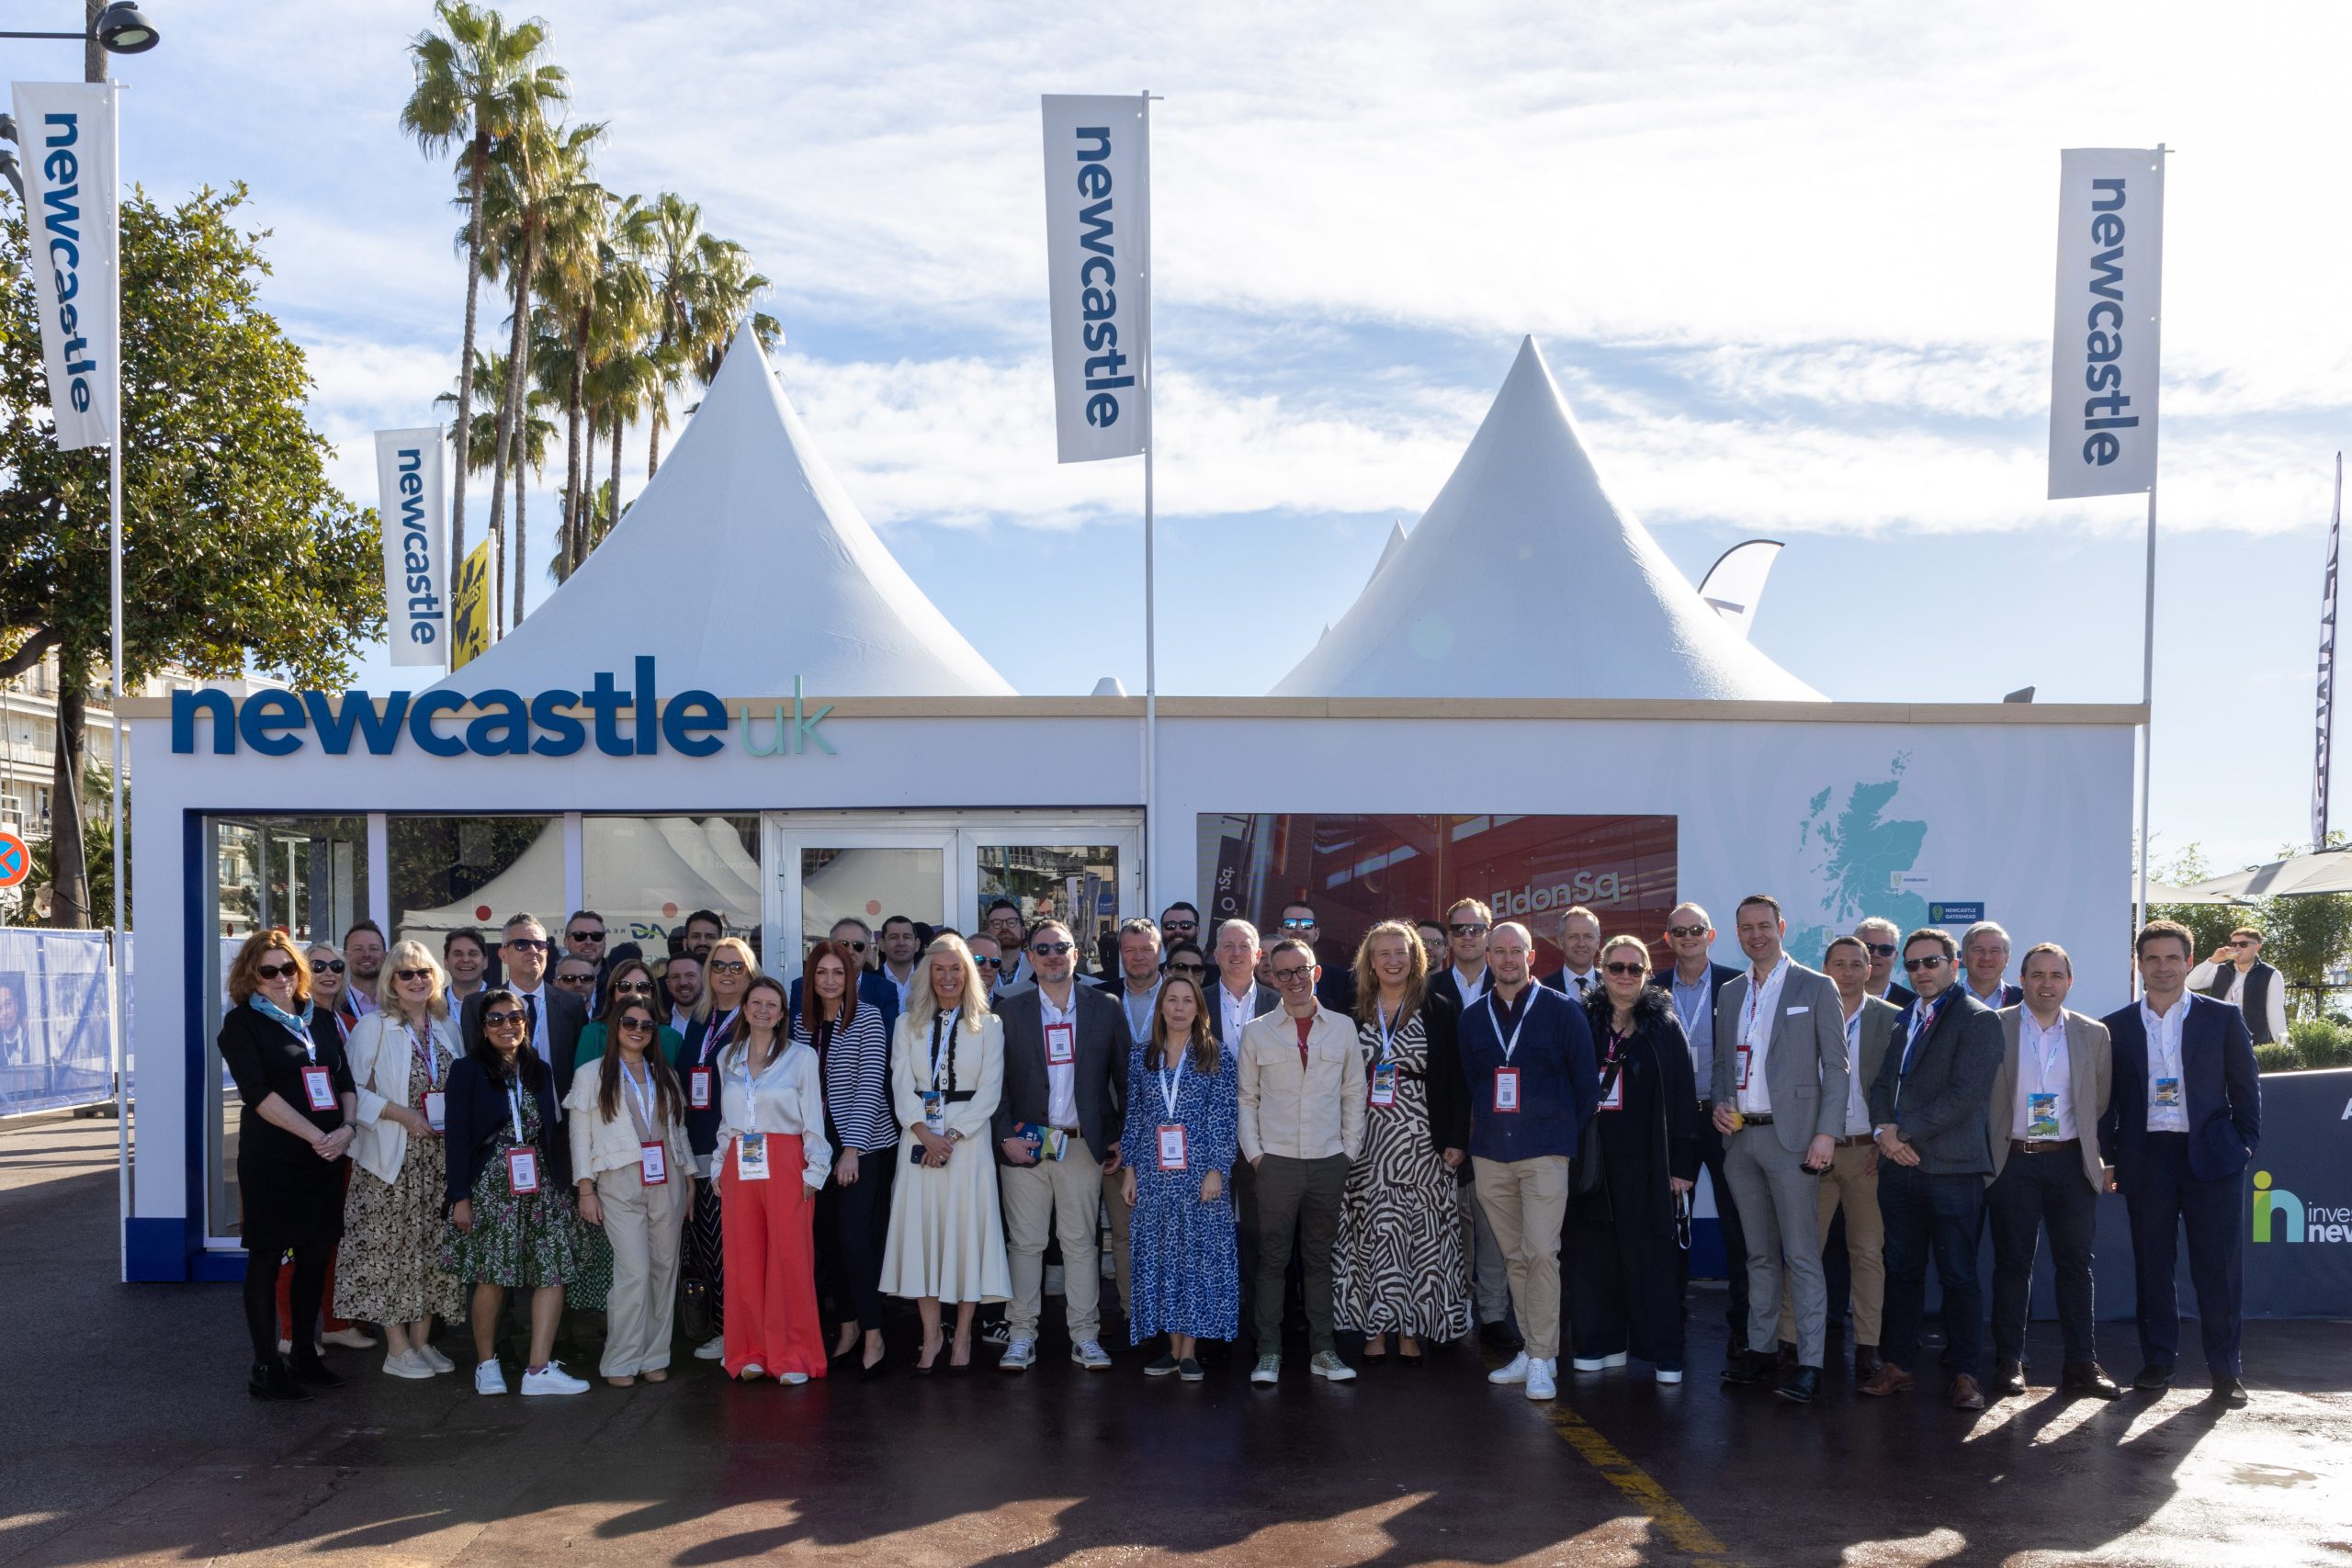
column 946, row 1074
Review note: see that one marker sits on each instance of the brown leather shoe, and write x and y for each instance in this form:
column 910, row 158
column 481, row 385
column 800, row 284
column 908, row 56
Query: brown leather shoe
column 1888, row 1379
column 2008, row 1379
column 1965, row 1395
column 2088, row 1379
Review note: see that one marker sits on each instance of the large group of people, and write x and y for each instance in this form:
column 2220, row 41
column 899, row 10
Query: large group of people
column 1421, row 1144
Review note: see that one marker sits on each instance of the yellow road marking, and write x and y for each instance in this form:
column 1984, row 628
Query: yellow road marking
column 1640, row 1489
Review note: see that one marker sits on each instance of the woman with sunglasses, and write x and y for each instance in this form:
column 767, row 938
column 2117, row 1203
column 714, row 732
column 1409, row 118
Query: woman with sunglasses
column 629, row 980
column 1183, row 1117
column 389, row 1270
column 946, row 1076
column 1621, row 1250
column 771, row 1158
column 513, row 1224
column 634, row 1173
column 728, row 971
column 293, row 1132
column 1397, row 1267
column 852, row 1049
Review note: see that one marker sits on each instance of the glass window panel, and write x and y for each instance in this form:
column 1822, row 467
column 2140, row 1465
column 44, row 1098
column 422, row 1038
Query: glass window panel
column 1076, row 883
column 449, row 872
column 871, row 884
column 646, row 874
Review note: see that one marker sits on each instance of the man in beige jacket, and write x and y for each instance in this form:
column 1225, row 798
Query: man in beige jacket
column 1301, row 1088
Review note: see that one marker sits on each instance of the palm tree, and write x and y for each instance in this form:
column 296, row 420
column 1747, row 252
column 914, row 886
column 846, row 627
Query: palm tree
column 602, row 305
column 476, row 81
column 703, row 285
column 480, row 434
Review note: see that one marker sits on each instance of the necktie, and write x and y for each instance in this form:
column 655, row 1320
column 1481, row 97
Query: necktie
column 531, row 1021
column 1584, row 986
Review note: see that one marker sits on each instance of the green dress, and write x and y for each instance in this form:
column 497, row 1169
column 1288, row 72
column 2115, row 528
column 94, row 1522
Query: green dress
column 527, row 1242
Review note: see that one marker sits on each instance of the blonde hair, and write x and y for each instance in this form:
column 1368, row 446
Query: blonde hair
column 737, row 947
column 1417, row 970
column 1623, row 939
column 923, row 1007
column 411, row 954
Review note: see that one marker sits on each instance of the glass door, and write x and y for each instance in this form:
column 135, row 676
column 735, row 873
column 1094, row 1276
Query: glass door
column 827, row 869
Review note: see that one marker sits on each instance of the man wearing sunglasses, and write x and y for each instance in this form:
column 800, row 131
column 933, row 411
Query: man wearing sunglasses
column 1883, row 940
column 1693, row 983
column 1464, row 979
column 1057, row 1126
column 874, row 988
column 1337, row 988
column 556, row 1016
column 2236, row 975
column 1781, row 1079
column 1928, row 1104
column 1179, row 922
column 584, row 936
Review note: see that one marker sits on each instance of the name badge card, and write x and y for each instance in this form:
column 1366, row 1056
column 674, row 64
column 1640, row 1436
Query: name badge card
column 1054, row 1143
column 1062, row 1044
column 752, row 1158
column 653, row 1163
column 2041, row 1115
column 1171, row 1148
column 1614, row 1100
column 318, row 1087
column 437, row 1110
column 1507, row 1089
column 1744, row 1054
column 1384, row 1084
column 522, row 1171
column 934, row 1112
column 2167, row 1091
column 699, row 1087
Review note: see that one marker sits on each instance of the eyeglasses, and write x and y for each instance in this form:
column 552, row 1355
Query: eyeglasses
column 586, row 936
column 528, row 943
column 575, row 982
column 1933, row 960
column 725, row 966
column 1049, row 949
column 1623, row 968
column 404, row 976
column 853, row 946
column 275, row 971
column 331, row 966
column 1469, row 928
column 2244, row 943
column 1880, row 948
column 637, row 1026
column 1305, row 925
column 501, row 1020
column 1188, row 968
column 1298, row 976
column 1684, row 933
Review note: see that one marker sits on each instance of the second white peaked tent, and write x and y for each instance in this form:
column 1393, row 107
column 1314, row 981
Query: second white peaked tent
column 743, row 564
column 1525, row 580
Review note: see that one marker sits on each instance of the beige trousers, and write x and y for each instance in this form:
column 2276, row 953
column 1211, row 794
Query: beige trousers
column 645, row 1226
column 1526, row 1202
column 1853, row 1182
column 1060, row 1198
column 1115, row 1205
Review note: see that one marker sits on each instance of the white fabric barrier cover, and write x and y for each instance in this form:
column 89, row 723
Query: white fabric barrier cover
column 53, row 1019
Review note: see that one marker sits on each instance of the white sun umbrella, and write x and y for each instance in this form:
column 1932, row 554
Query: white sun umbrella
column 2323, row 871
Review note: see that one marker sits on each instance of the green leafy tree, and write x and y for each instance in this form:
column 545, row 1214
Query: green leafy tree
column 237, row 551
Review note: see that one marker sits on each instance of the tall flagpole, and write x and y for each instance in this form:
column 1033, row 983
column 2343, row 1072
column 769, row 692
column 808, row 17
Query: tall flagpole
column 2148, row 664
column 1151, row 636
column 114, row 549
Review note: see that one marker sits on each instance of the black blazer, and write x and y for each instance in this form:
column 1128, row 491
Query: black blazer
column 1264, row 1000
column 1899, row 995
column 1945, row 1094
column 1337, row 989
column 2219, row 1087
column 477, row 1109
column 1444, row 984
column 1102, row 1087
column 1449, row 1093
column 1558, row 980
column 1657, row 1029
column 567, row 1016
column 702, row 1126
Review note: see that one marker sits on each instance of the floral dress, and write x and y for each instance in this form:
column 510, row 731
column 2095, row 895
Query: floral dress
column 1184, row 1262
column 1397, row 1267
column 520, row 1243
column 390, row 1269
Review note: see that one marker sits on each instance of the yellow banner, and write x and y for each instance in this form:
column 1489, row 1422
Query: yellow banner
column 472, row 607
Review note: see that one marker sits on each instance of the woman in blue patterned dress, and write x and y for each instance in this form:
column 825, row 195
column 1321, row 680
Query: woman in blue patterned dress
column 1183, row 1111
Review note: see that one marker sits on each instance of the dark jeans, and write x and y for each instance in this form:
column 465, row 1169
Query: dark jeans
column 2166, row 1198
column 1297, row 1197
column 2033, row 1191
column 309, row 1288
column 1711, row 1156
column 1937, row 1214
column 852, row 1230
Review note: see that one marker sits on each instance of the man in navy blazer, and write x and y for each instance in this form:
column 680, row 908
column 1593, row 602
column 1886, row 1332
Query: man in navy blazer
column 2181, row 1126
column 1692, row 986
column 874, row 988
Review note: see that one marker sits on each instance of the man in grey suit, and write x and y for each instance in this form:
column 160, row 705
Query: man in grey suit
column 2048, row 1096
column 554, row 1017
column 1927, row 1104
column 1057, row 1126
column 1781, row 1077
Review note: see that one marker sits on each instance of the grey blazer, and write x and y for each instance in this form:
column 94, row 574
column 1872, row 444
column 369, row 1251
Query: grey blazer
column 1101, row 1085
column 1265, row 1000
column 1879, row 1019
column 1806, row 1068
column 2090, row 1070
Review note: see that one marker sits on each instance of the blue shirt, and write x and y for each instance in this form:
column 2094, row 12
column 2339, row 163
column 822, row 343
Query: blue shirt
column 1694, row 1004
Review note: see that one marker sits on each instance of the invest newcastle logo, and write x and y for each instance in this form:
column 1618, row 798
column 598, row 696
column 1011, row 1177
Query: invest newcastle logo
column 2281, row 1216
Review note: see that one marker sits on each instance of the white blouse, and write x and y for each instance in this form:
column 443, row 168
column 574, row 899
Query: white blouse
column 787, row 1099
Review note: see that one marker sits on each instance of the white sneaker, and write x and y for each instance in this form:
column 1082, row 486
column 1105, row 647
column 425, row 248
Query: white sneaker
column 712, row 1349
column 1598, row 1363
column 1019, row 1356
column 406, row 1364
column 552, row 1379
column 1539, row 1379
column 1669, row 1374
column 792, row 1379
column 435, row 1360
column 1090, row 1354
column 752, row 1371
column 1327, row 1365
column 490, row 1377
column 1514, row 1371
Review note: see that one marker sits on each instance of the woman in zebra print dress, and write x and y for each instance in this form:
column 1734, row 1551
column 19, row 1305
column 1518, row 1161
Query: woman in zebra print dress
column 1399, row 1266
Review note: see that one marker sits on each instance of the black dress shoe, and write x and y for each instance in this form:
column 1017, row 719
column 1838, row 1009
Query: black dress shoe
column 271, row 1380
column 2155, row 1377
column 310, row 1370
column 1865, row 1362
column 2008, row 1379
column 2229, row 1391
column 1498, row 1336
column 1747, row 1366
column 2086, row 1377
column 1800, row 1385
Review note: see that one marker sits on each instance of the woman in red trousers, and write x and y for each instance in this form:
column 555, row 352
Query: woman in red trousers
column 771, row 1158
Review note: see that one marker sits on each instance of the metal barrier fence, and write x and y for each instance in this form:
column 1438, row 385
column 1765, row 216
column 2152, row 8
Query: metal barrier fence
column 53, row 1019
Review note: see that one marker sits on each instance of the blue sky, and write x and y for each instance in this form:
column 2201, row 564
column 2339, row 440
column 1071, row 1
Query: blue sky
column 1792, row 264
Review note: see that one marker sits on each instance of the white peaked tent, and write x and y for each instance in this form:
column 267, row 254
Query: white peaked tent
column 1387, row 551
column 1525, row 580
column 743, row 564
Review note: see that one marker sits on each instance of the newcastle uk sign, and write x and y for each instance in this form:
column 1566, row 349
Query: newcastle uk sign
column 555, row 723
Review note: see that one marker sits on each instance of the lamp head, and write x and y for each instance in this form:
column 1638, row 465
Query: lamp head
column 123, row 29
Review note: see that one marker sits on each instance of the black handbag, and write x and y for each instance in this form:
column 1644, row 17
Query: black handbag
column 695, row 1311
column 1588, row 1178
